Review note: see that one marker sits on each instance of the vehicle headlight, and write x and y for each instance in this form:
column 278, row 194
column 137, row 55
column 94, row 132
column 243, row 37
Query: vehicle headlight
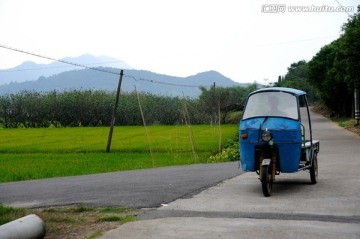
column 266, row 136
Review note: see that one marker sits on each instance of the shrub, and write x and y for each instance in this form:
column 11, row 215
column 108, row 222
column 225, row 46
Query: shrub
column 230, row 152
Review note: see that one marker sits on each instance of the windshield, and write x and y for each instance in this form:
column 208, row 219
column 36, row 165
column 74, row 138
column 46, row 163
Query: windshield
column 278, row 104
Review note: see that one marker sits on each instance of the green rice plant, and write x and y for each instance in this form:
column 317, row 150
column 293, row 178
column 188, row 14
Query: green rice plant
column 94, row 139
column 55, row 152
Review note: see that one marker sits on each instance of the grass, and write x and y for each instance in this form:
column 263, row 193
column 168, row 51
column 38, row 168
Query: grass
column 349, row 124
column 117, row 219
column 55, row 152
column 8, row 214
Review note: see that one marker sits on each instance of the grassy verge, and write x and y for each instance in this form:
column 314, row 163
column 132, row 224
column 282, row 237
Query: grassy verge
column 347, row 123
column 73, row 221
column 52, row 152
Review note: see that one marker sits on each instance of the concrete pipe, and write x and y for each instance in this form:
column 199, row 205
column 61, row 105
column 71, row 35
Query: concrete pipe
column 28, row 227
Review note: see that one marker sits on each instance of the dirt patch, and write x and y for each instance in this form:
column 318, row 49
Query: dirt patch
column 80, row 222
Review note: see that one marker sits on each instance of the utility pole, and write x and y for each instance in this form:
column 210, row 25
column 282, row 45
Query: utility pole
column 357, row 106
column 214, row 105
column 114, row 112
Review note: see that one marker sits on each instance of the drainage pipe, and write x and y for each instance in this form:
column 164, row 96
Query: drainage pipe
column 28, row 227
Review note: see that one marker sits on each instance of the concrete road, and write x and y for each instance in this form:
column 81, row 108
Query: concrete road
column 236, row 208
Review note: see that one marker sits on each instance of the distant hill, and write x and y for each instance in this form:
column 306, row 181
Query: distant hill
column 30, row 71
column 145, row 81
column 60, row 76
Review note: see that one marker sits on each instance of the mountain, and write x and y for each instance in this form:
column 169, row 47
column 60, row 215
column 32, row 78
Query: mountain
column 30, row 71
column 106, row 78
column 103, row 75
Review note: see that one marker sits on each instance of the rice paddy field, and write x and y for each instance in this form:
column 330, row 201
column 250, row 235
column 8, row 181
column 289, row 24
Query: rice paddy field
column 55, row 152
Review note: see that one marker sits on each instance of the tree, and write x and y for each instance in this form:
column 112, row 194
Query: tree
column 297, row 77
column 350, row 50
column 94, row 108
column 335, row 69
column 224, row 100
column 325, row 72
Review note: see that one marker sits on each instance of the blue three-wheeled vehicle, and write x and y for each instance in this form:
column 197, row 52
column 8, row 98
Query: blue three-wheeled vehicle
column 276, row 135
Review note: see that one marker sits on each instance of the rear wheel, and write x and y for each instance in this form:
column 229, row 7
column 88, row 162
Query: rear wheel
column 266, row 182
column 314, row 170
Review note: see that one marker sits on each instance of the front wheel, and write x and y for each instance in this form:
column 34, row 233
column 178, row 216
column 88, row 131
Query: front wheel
column 314, row 170
column 266, row 181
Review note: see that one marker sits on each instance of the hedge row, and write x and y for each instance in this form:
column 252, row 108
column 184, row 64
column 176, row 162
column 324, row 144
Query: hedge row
column 94, row 108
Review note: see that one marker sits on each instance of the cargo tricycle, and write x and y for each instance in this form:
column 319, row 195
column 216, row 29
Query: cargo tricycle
column 276, row 135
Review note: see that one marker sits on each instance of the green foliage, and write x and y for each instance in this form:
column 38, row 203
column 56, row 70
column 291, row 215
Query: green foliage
column 350, row 49
column 230, row 152
column 223, row 100
column 297, row 78
column 333, row 73
column 75, row 108
column 335, row 69
column 94, row 108
column 233, row 117
column 327, row 75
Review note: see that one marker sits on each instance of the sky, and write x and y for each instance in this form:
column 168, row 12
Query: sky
column 247, row 41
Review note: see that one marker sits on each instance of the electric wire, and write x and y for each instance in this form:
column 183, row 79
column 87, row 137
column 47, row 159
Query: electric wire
column 96, row 68
column 58, row 60
column 51, row 67
column 160, row 82
column 343, row 7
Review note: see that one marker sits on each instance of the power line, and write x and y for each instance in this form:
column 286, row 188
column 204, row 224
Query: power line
column 96, row 68
column 63, row 61
column 53, row 67
column 162, row 83
column 343, row 7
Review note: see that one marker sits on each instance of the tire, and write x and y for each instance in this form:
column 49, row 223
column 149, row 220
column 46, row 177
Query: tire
column 314, row 171
column 266, row 182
